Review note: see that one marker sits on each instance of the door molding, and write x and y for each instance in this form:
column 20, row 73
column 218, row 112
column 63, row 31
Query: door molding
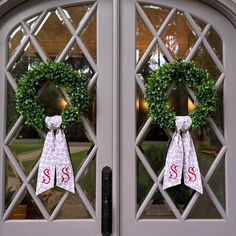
column 226, row 7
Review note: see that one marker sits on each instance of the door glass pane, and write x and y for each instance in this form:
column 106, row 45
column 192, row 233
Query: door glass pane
column 26, row 143
column 48, row 37
column 76, row 13
column 179, row 38
column 25, row 208
column 13, row 183
column 15, row 40
column 12, row 114
column 216, row 43
column 27, row 59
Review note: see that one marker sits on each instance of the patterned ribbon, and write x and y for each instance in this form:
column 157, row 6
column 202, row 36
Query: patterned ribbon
column 55, row 159
column 181, row 157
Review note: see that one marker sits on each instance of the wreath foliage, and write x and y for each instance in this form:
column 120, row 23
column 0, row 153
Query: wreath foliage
column 195, row 78
column 62, row 75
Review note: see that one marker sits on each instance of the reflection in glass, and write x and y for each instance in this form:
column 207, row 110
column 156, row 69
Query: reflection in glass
column 89, row 36
column 204, row 209
column 49, row 37
column 78, row 61
column 155, row 59
column 12, row 115
column 28, row 58
column 76, row 13
column 26, row 208
column 27, row 147
column 158, row 208
column 154, row 148
column 180, row 195
column 180, row 100
column 218, row 115
column 179, row 36
column 52, row 100
column 156, row 15
column 207, row 147
column 15, row 39
column 144, row 182
column 13, row 183
column 31, row 22
column 200, row 23
column 216, row 43
column 73, row 208
column 143, row 37
column 88, row 182
column 204, row 60
column 217, row 182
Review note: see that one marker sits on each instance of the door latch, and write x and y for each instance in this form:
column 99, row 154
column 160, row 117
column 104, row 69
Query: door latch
column 106, row 201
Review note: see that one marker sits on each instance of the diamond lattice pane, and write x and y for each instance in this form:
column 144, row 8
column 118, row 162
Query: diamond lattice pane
column 156, row 15
column 78, row 61
column 207, row 147
column 51, row 197
column 73, row 208
column 79, row 144
column 15, row 40
column 204, row 60
column 180, row 101
column 201, row 24
column 144, row 182
column 52, row 100
column 31, row 22
column 204, row 208
column 27, row 59
column 154, row 148
column 26, row 147
column 217, row 182
column 143, row 37
column 89, row 36
column 218, row 115
column 12, row 184
column 92, row 111
column 180, row 195
column 141, row 109
column 12, row 114
column 76, row 13
column 155, row 59
column 88, row 182
column 216, row 43
column 179, row 37
column 53, row 35
column 26, row 208
column 158, row 208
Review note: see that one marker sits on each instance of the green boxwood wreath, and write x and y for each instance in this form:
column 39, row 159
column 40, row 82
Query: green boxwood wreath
column 195, row 78
column 75, row 85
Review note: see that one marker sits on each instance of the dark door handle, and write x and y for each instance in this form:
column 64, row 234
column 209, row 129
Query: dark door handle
column 106, row 201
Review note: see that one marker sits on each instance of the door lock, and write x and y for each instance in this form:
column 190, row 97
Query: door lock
column 106, row 201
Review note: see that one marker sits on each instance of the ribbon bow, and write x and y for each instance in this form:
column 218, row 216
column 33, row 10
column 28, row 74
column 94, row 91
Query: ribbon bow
column 181, row 156
column 55, row 159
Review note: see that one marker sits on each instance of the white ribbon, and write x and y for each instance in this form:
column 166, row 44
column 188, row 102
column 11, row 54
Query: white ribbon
column 55, row 159
column 181, row 157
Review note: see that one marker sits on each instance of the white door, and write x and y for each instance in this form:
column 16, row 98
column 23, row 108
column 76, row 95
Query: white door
column 65, row 31
column 153, row 33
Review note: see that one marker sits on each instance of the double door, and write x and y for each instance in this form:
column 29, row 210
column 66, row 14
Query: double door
column 117, row 45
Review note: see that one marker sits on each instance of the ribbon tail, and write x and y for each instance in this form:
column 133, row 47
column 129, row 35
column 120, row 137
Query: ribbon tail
column 46, row 171
column 64, row 170
column 174, row 162
column 192, row 175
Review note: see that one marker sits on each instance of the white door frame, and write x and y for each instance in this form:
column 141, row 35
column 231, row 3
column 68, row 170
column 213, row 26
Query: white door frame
column 139, row 227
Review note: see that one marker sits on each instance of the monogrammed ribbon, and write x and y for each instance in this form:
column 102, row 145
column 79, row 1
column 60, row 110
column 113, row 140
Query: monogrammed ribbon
column 182, row 158
column 55, row 160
